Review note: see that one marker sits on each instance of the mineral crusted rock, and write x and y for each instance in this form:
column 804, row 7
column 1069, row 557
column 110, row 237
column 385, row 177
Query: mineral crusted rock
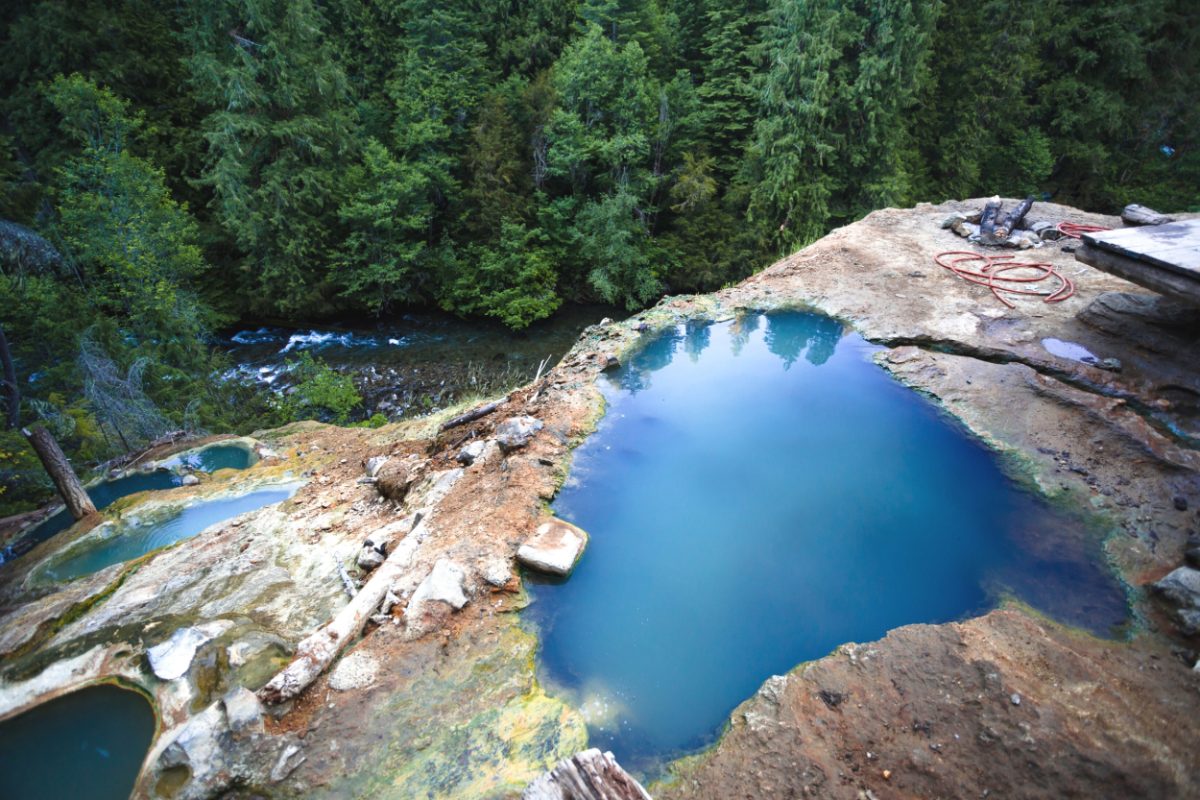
column 370, row 557
column 555, row 547
column 515, row 432
column 375, row 547
column 374, row 464
column 172, row 659
column 1181, row 588
column 497, row 572
column 355, row 671
column 470, row 452
column 243, row 711
column 445, row 583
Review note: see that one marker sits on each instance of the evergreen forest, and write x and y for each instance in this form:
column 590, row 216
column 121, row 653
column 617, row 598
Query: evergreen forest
column 172, row 169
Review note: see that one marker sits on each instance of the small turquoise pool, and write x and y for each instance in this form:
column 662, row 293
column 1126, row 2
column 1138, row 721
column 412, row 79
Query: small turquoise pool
column 213, row 458
column 132, row 540
column 87, row 745
column 105, row 493
column 759, row 493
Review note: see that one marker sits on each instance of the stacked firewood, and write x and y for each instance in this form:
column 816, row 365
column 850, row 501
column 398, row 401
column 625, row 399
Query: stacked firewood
column 991, row 226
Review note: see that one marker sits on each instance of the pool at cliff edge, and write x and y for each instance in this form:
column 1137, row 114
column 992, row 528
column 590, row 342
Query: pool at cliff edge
column 758, row 493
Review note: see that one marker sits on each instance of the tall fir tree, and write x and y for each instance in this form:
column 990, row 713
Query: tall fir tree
column 279, row 135
column 832, row 139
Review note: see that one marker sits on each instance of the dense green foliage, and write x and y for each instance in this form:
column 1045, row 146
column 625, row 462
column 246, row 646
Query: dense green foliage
column 318, row 392
column 205, row 160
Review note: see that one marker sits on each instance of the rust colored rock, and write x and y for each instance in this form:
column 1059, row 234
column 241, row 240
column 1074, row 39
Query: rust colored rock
column 933, row 712
column 394, row 480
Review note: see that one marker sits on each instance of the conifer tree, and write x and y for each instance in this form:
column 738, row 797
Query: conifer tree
column 279, row 137
column 831, row 141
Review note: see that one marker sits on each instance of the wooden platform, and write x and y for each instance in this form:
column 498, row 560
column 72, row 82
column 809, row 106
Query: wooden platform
column 1162, row 258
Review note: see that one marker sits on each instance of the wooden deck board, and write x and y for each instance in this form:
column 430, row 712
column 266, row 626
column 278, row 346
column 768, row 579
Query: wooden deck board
column 1174, row 247
column 1179, row 284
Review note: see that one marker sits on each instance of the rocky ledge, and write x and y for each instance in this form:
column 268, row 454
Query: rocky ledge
column 438, row 697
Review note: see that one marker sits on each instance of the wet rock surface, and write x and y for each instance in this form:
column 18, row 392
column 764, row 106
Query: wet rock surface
column 454, row 710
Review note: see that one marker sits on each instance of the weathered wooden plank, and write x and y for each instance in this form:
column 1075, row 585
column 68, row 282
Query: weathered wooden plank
column 590, row 775
column 1175, row 247
column 1172, row 283
column 1187, row 258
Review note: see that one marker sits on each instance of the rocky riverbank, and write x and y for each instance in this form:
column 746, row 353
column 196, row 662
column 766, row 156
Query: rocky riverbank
column 439, row 697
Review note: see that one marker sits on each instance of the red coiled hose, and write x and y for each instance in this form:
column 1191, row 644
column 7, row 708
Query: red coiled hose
column 990, row 273
column 1075, row 231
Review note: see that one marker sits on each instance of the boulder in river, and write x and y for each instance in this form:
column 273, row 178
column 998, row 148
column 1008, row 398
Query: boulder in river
column 555, row 547
column 515, row 432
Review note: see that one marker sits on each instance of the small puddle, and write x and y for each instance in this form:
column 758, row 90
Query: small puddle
column 87, row 745
column 105, row 493
column 759, row 493
column 130, row 540
column 1075, row 352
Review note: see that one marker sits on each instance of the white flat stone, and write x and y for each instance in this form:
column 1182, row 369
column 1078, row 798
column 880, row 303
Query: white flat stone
column 445, row 583
column 243, row 711
column 172, row 659
column 555, row 547
column 355, row 671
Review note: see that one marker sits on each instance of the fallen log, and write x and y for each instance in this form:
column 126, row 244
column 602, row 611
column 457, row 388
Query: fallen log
column 1012, row 220
column 44, row 444
column 1134, row 214
column 989, row 219
column 318, row 650
column 589, row 775
column 473, row 414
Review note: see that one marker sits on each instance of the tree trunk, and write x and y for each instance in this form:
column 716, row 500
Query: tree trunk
column 988, row 220
column 473, row 414
column 11, row 389
column 318, row 649
column 1013, row 219
column 56, row 464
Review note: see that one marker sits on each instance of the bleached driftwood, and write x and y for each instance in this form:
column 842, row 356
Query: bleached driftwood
column 321, row 647
column 347, row 582
column 589, row 775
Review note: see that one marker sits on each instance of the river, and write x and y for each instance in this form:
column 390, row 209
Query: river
column 414, row 363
